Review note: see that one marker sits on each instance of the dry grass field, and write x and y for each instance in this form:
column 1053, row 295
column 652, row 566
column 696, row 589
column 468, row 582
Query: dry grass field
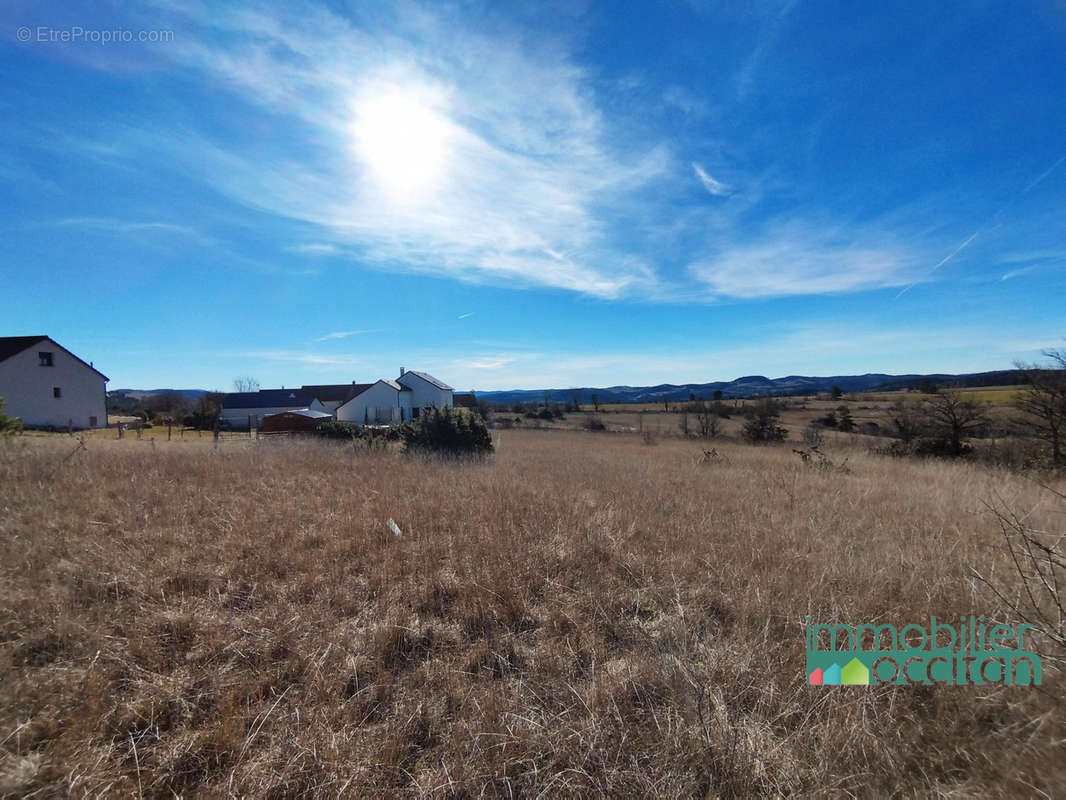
column 583, row 614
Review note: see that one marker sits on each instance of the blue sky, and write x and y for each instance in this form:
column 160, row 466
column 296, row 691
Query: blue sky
column 531, row 195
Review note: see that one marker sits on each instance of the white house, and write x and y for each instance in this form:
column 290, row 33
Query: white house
column 333, row 395
column 241, row 409
column 45, row 385
column 380, row 403
column 383, row 402
column 426, row 391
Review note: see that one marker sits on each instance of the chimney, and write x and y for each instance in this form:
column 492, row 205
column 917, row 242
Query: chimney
column 402, row 370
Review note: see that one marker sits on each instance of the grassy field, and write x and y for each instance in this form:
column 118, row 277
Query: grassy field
column 584, row 614
column 992, row 395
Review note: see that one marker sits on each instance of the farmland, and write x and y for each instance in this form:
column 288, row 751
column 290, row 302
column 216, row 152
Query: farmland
column 582, row 614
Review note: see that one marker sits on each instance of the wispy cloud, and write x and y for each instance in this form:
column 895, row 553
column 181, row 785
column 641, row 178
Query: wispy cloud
column 1017, row 273
column 745, row 77
column 804, row 260
column 314, row 249
column 715, row 187
column 489, row 362
column 310, row 359
column 124, row 226
column 687, row 102
column 466, row 315
column 520, row 179
column 346, row 334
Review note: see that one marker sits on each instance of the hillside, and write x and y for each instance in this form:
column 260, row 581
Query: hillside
column 752, row 385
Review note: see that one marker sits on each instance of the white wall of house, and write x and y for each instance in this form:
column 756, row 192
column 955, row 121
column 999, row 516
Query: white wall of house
column 238, row 418
column 29, row 389
column 381, row 404
column 425, row 394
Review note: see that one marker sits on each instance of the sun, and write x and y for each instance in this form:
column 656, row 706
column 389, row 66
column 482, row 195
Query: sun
column 404, row 141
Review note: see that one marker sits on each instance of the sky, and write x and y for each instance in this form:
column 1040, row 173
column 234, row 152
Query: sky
column 533, row 195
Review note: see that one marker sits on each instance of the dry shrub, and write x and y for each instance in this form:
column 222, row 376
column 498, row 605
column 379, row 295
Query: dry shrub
column 579, row 616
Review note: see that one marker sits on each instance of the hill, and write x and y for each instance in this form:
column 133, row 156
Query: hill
column 753, row 385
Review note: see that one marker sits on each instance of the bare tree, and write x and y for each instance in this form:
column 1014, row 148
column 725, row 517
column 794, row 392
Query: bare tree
column 595, row 402
column 1045, row 401
column 708, row 419
column 575, row 400
column 905, row 418
column 245, row 383
column 955, row 419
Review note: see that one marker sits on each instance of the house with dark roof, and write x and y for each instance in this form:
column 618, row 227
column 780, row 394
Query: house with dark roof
column 47, row 386
column 241, row 410
column 383, row 402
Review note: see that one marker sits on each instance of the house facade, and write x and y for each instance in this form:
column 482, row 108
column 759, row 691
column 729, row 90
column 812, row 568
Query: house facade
column 45, row 385
column 381, row 403
column 332, row 396
column 426, row 391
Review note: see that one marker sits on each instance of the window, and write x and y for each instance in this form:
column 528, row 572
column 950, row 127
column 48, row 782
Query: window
column 57, row 392
column 45, row 360
column 414, row 412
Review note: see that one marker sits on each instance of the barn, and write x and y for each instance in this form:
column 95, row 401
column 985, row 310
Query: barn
column 300, row 421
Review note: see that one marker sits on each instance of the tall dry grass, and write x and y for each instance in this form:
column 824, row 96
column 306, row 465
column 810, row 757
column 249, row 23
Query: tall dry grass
column 583, row 614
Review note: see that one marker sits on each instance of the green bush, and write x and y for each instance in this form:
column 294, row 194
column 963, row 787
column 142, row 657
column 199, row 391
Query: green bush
column 335, row 429
column 447, row 432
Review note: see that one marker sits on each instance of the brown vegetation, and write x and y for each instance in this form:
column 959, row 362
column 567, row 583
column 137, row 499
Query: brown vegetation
column 579, row 615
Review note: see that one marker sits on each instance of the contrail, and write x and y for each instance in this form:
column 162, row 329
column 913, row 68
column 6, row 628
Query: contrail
column 942, row 261
column 1044, row 174
column 1032, row 184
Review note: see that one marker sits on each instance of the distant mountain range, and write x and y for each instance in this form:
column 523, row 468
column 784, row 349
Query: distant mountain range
column 748, row 386
column 754, row 385
column 140, row 394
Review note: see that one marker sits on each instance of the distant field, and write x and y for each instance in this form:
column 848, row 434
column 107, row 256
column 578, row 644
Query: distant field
column 995, row 395
column 583, row 615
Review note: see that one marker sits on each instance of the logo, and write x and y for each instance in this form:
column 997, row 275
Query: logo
column 971, row 653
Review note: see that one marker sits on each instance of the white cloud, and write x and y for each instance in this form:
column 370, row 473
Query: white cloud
column 123, row 226
column 314, row 249
column 527, row 174
column 489, row 362
column 346, row 334
column 717, row 188
column 801, row 260
column 310, row 359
